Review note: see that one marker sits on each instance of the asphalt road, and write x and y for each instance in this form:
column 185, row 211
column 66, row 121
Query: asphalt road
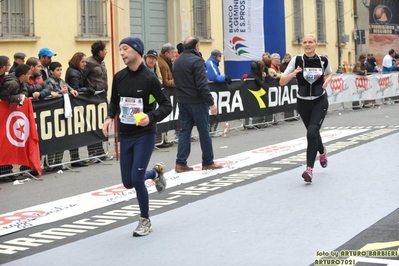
column 256, row 211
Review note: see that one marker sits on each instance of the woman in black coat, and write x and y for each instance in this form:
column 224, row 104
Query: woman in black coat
column 74, row 78
column 257, row 68
column 258, row 73
column 74, row 73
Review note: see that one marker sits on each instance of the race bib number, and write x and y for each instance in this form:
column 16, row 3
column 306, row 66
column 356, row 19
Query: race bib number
column 312, row 74
column 130, row 106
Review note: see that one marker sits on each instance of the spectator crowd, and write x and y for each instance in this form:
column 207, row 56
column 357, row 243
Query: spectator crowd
column 42, row 78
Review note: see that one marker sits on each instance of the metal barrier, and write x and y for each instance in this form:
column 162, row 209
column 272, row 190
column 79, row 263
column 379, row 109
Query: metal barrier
column 270, row 120
column 12, row 172
column 359, row 105
column 59, row 161
column 96, row 153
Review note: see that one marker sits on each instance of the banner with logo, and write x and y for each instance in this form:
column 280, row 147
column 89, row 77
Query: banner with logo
column 241, row 99
column 384, row 27
column 58, row 133
column 351, row 87
column 243, row 30
column 243, row 35
column 250, row 28
column 19, row 142
column 245, row 99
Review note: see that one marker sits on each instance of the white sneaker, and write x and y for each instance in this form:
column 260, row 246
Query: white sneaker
column 143, row 228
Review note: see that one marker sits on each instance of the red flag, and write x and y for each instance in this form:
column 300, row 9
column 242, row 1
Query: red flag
column 19, row 141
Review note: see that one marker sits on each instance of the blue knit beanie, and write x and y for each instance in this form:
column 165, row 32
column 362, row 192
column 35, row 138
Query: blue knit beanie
column 135, row 42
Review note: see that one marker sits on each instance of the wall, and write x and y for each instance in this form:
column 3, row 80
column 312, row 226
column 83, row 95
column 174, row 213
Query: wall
column 180, row 25
column 330, row 47
column 59, row 30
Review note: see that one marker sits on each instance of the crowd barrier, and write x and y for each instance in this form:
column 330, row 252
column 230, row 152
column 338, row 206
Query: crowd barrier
column 351, row 88
column 57, row 134
column 240, row 100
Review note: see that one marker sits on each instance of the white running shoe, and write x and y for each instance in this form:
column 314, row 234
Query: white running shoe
column 143, row 228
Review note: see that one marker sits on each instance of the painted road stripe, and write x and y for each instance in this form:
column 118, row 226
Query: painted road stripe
column 71, row 206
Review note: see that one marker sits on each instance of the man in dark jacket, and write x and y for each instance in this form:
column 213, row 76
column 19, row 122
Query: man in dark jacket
column 194, row 101
column 19, row 58
column 130, row 98
column 95, row 76
column 13, row 89
column 95, row 72
column 4, row 67
column 360, row 67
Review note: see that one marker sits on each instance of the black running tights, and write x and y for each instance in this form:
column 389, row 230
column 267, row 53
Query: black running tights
column 312, row 113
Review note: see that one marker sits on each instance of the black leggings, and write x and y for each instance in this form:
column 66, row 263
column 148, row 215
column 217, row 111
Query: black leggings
column 312, row 113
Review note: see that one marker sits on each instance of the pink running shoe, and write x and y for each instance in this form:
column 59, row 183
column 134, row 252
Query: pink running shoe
column 308, row 174
column 323, row 158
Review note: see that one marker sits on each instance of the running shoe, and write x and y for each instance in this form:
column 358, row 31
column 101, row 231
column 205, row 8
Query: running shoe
column 308, row 174
column 323, row 158
column 160, row 181
column 143, row 228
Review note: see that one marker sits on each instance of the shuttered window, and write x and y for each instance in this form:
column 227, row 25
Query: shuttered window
column 341, row 19
column 93, row 18
column 298, row 20
column 17, row 18
column 202, row 20
column 321, row 21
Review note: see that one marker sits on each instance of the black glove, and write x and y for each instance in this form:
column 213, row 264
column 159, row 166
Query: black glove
column 228, row 79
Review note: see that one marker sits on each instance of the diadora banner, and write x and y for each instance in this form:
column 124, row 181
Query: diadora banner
column 242, row 99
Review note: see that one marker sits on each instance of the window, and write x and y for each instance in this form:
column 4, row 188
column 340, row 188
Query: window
column 202, row 20
column 17, row 18
column 321, row 21
column 298, row 20
column 341, row 20
column 94, row 18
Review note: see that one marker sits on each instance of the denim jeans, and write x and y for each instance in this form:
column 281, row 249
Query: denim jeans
column 190, row 115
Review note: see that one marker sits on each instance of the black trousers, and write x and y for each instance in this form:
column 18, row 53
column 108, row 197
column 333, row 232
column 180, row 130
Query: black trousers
column 312, row 113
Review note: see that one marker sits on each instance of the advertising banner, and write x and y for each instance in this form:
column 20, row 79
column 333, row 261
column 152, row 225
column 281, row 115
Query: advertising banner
column 239, row 100
column 384, row 27
column 243, row 35
column 57, row 133
column 351, row 87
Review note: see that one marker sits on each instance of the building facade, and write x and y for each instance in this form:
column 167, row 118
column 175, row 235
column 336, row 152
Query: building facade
column 70, row 26
column 332, row 22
